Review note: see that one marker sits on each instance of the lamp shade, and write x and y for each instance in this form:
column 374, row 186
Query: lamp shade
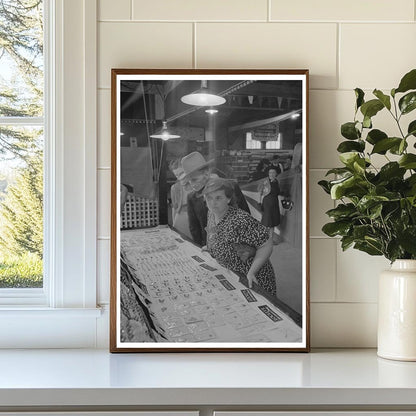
column 203, row 97
column 164, row 133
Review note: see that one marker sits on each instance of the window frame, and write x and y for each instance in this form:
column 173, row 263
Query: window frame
column 70, row 207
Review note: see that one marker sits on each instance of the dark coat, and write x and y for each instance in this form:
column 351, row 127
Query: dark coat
column 198, row 213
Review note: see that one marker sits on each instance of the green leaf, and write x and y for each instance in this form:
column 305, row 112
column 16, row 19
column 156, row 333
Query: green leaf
column 359, row 95
column 398, row 149
column 408, row 102
column 359, row 165
column 348, row 158
column 352, row 186
column 368, row 248
column 411, row 130
column 338, row 188
column 349, row 146
column 336, row 228
column 375, row 136
column 346, row 242
column 371, row 108
column 391, row 170
column 383, row 145
column 375, row 211
column 349, row 131
column 338, row 171
column 385, row 99
column 407, row 240
column 325, row 186
column 369, row 201
column 408, row 82
column 367, row 122
column 408, row 161
column 342, row 211
column 393, row 250
column 361, row 231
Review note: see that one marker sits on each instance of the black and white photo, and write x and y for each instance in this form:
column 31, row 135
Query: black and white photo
column 209, row 244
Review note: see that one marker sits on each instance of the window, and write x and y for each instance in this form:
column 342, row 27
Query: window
column 63, row 313
column 22, row 129
column 257, row 144
column 275, row 144
column 250, row 143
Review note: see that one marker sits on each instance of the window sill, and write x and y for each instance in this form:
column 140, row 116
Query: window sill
column 34, row 311
column 40, row 327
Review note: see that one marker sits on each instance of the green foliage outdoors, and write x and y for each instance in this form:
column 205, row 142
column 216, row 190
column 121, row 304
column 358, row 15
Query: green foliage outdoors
column 376, row 212
column 21, row 95
column 21, row 213
column 21, row 271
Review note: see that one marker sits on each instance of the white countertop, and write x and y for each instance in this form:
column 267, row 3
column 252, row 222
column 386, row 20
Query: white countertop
column 96, row 377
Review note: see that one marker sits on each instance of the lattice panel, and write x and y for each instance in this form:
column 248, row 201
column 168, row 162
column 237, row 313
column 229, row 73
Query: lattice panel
column 139, row 213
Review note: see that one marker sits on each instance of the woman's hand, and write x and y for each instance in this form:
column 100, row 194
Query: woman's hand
column 251, row 279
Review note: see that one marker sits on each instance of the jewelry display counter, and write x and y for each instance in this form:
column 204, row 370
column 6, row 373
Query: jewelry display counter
column 171, row 291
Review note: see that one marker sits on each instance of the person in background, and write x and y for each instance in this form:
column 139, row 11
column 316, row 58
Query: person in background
column 269, row 200
column 123, row 196
column 291, row 227
column 229, row 229
column 197, row 171
column 179, row 195
column 261, row 170
column 276, row 163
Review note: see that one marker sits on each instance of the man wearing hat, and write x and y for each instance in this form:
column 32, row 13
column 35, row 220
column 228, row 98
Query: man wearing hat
column 197, row 173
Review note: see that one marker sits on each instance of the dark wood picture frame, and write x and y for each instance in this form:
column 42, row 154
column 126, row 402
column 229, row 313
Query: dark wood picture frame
column 266, row 108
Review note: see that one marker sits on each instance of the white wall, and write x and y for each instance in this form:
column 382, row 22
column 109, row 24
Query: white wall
column 345, row 44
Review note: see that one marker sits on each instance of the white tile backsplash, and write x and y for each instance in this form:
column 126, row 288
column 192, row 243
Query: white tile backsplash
column 323, row 269
column 357, row 275
column 114, row 10
column 319, row 203
column 270, row 46
column 345, row 44
column 142, row 45
column 343, row 325
column 376, row 55
column 357, row 10
column 200, row 10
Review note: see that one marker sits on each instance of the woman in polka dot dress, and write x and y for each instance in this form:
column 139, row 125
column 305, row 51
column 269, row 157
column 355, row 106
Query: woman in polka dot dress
column 237, row 240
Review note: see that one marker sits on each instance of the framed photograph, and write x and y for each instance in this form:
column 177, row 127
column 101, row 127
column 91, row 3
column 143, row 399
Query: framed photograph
column 209, row 211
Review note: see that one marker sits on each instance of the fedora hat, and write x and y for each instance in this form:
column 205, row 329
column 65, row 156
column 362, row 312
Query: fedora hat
column 193, row 162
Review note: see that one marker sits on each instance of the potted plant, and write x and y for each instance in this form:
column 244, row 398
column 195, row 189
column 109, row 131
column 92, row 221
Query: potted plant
column 376, row 207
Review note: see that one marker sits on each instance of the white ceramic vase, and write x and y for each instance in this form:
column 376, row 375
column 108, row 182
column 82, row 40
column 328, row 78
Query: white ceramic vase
column 397, row 312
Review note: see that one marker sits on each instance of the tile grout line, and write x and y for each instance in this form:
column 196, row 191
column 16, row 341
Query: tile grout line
column 306, row 22
column 269, row 11
column 194, row 63
column 338, row 63
column 344, row 303
column 131, row 9
column 336, row 271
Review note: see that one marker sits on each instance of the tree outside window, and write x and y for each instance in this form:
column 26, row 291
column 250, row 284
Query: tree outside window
column 21, row 143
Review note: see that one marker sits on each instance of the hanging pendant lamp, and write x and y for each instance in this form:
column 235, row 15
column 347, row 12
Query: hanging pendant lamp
column 203, row 97
column 211, row 111
column 164, row 133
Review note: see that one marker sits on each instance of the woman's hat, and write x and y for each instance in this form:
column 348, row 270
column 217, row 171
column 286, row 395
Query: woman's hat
column 218, row 183
column 193, row 162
